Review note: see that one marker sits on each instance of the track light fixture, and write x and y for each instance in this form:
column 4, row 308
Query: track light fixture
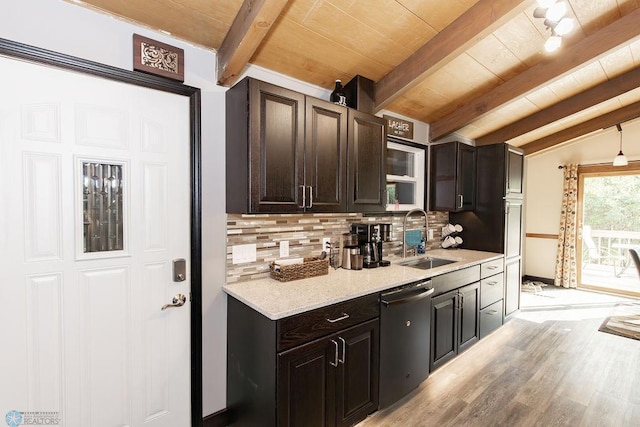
column 553, row 14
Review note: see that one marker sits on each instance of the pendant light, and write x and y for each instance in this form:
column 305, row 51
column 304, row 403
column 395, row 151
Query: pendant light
column 620, row 159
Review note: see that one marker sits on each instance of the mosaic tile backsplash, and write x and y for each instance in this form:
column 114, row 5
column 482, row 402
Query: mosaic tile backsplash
column 304, row 232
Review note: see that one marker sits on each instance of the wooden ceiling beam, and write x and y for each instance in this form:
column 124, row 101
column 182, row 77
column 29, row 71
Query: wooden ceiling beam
column 472, row 26
column 620, row 115
column 592, row 47
column 597, row 94
column 250, row 26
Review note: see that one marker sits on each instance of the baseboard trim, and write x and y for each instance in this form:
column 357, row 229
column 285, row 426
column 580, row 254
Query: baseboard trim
column 222, row 418
column 538, row 279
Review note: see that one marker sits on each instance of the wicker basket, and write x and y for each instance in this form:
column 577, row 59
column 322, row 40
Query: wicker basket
column 310, row 267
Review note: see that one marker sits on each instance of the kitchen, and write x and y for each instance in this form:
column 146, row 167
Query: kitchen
column 109, row 32
column 294, row 322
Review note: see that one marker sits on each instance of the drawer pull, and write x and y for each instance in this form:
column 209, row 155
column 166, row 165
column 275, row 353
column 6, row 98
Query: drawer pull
column 344, row 316
column 491, row 312
column 492, row 267
column 335, row 364
column 492, row 283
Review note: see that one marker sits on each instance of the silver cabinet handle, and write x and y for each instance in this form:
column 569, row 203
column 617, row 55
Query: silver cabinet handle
column 492, row 267
column 344, row 316
column 491, row 312
column 310, row 197
column 492, row 283
column 304, row 197
column 335, row 364
column 178, row 301
column 461, row 200
column 344, row 350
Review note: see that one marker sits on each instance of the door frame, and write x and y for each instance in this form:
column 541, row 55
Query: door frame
column 15, row 50
column 591, row 171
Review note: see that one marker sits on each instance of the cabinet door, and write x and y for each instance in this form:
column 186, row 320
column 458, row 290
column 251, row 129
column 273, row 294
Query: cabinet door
column 306, row 384
column 443, row 177
column 325, row 156
column 515, row 164
column 276, row 160
column 453, row 175
column 367, row 159
column 513, row 228
column 444, row 329
column 469, row 316
column 466, row 177
column 357, row 374
column 513, row 279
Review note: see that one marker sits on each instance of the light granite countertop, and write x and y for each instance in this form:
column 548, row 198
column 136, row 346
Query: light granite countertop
column 277, row 300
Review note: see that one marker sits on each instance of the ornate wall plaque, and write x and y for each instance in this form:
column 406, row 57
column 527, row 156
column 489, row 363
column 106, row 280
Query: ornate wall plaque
column 154, row 57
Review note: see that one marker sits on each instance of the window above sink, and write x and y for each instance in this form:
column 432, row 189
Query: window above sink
column 405, row 176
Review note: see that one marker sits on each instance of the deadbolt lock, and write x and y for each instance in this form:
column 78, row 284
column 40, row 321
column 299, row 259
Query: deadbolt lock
column 179, row 270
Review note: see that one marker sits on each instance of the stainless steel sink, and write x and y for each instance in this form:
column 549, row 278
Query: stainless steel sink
column 426, row 263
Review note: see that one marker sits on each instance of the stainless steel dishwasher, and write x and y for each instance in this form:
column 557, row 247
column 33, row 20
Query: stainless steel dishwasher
column 405, row 335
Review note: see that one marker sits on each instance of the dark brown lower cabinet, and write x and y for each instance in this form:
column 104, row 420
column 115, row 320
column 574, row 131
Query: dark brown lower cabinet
column 331, row 381
column 317, row 368
column 454, row 323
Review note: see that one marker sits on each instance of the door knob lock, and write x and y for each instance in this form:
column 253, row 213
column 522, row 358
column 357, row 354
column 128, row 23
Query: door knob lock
column 178, row 301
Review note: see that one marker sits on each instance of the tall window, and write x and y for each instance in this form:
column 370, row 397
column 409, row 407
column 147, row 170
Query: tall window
column 608, row 208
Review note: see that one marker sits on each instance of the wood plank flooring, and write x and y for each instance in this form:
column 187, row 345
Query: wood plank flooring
column 543, row 368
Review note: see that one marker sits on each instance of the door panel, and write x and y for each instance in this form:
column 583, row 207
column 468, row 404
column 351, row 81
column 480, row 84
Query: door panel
column 357, row 381
column 513, row 228
column 306, row 384
column 277, row 148
column 367, row 162
column 469, row 316
column 326, row 154
column 444, row 328
column 90, row 341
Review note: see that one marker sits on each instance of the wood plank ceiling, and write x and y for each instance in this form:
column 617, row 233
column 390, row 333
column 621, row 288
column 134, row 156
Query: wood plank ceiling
column 476, row 68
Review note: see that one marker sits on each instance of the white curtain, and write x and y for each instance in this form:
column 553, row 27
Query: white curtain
column 566, row 266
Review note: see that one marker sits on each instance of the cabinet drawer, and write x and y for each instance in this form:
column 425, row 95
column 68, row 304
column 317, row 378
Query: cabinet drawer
column 490, row 318
column 492, row 267
column 456, row 279
column 304, row 327
column 491, row 289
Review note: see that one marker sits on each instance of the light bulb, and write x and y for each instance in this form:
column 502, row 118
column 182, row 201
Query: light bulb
column 564, row 26
column 553, row 43
column 556, row 12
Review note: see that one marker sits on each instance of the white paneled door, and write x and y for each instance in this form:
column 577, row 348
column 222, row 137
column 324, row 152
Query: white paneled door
column 94, row 209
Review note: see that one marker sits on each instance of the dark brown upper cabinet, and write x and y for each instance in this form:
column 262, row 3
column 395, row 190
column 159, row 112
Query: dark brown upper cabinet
column 452, row 178
column 264, row 148
column 514, row 173
column 285, row 152
column 325, row 156
column 366, row 189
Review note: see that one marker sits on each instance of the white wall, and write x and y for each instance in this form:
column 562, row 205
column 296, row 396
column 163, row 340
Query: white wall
column 543, row 191
column 73, row 30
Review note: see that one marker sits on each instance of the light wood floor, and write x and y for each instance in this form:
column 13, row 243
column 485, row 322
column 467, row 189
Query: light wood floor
column 543, row 368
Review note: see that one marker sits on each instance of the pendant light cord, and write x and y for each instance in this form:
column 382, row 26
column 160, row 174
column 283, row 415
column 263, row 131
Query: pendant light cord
column 620, row 130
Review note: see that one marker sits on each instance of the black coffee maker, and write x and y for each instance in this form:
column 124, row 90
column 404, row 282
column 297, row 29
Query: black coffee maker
column 368, row 239
column 384, row 235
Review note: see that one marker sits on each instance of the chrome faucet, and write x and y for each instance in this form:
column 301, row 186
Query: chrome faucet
column 404, row 229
